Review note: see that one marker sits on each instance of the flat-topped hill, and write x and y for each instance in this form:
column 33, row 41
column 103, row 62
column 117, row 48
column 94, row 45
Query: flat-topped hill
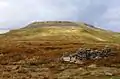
column 51, row 23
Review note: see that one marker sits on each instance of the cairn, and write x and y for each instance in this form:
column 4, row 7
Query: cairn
column 87, row 54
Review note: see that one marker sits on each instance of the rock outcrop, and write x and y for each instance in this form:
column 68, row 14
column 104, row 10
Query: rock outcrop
column 88, row 54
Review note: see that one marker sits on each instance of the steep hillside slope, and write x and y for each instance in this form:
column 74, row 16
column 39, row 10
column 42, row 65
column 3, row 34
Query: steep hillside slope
column 58, row 31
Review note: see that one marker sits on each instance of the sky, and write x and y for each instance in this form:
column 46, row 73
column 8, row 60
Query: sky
column 101, row 13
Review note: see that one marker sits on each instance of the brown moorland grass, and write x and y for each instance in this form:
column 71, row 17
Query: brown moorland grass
column 53, row 50
column 36, row 51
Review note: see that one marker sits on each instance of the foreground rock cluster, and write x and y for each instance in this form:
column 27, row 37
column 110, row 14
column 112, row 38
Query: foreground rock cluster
column 88, row 54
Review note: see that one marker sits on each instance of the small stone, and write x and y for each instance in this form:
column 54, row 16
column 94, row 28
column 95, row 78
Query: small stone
column 108, row 74
column 79, row 62
column 67, row 59
column 92, row 66
column 15, row 67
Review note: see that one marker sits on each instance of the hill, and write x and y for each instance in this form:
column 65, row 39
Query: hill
column 35, row 51
column 63, row 31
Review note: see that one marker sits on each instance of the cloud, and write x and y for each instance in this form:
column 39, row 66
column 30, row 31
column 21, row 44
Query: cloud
column 3, row 31
column 3, row 4
column 15, row 14
column 93, row 13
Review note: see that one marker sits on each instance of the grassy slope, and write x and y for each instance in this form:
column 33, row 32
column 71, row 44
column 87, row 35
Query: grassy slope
column 71, row 38
column 81, row 33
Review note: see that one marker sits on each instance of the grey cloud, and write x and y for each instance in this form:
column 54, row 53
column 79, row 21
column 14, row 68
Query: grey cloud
column 93, row 13
column 15, row 14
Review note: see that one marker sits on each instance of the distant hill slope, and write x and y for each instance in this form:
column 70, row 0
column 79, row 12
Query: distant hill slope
column 63, row 31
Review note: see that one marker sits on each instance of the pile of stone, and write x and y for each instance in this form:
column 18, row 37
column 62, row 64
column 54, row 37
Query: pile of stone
column 88, row 54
